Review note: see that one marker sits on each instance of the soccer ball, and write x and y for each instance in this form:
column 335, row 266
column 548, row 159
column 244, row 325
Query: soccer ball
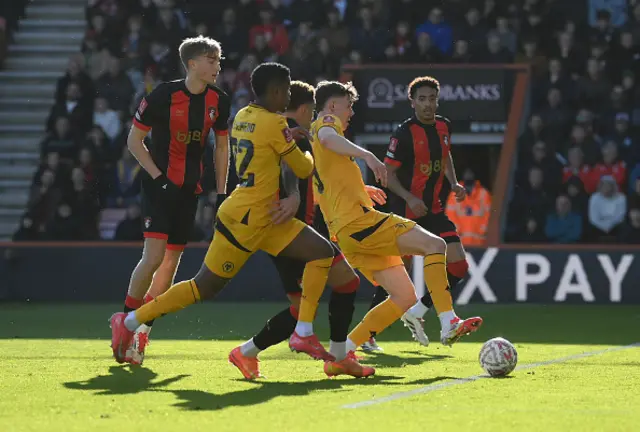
column 498, row 357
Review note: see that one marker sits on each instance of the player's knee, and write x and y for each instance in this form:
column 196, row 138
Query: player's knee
column 209, row 284
column 152, row 260
column 404, row 299
column 434, row 245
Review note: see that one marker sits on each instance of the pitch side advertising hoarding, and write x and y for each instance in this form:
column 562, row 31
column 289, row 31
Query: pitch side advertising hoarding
column 475, row 99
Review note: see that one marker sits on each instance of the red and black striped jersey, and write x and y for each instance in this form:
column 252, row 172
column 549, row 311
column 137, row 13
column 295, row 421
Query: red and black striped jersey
column 180, row 122
column 420, row 152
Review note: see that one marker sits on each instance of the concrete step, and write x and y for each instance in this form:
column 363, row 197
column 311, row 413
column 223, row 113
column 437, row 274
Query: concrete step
column 11, row 213
column 27, row 90
column 20, row 145
column 15, row 184
column 43, row 50
column 29, row 76
column 40, row 63
column 53, row 25
column 18, row 172
column 24, row 117
column 22, row 131
column 14, row 200
column 47, row 38
column 19, row 158
column 24, row 103
column 7, row 229
column 58, row 12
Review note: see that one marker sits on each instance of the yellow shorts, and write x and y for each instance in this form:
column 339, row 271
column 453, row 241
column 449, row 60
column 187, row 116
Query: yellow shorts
column 234, row 242
column 370, row 242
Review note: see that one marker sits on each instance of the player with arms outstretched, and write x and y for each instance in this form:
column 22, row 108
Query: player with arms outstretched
column 296, row 200
column 180, row 115
column 372, row 241
column 418, row 160
column 244, row 222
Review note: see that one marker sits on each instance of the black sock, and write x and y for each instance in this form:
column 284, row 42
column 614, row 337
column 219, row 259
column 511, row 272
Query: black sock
column 453, row 280
column 276, row 330
column 341, row 307
column 380, row 296
column 150, row 323
column 426, row 299
column 127, row 309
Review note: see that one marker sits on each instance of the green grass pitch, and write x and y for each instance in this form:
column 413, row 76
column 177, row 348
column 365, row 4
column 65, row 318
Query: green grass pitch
column 57, row 374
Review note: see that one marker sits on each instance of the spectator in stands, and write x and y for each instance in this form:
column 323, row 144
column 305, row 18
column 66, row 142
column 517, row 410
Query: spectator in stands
column 563, row 226
column 169, row 28
column 368, row 37
column 130, row 228
column 630, row 234
column 508, row 38
column 75, row 73
column 611, row 166
column 532, row 56
column 438, row 29
column 96, row 59
column 337, row 34
column 461, row 52
column 116, row 87
column 471, row 216
column 83, row 200
column 531, row 232
column 556, row 115
column 27, row 231
column 125, row 186
column 494, row 52
column 77, row 108
column 473, row 30
column 106, row 118
column 575, row 190
column 555, row 78
column 594, row 89
column 273, row 33
column 324, row 62
column 569, row 53
column 64, row 226
column 531, row 201
column 51, row 161
column 233, row 38
column 541, row 157
column 624, row 138
column 534, row 133
column 60, row 140
column 424, row 51
column 634, row 196
column 576, row 168
column 44, row 198
column 134, row 43
column 588, row 145
column 607, row 210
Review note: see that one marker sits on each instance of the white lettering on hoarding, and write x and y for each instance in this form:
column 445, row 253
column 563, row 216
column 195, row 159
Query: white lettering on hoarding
column 524, row 278
column 477, row 280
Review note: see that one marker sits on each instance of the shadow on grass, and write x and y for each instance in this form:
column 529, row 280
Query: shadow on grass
column 388, row 360
column 123, row 380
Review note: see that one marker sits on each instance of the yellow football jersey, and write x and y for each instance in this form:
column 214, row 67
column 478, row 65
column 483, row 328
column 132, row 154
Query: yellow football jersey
column 259, row 139
column 338, row 183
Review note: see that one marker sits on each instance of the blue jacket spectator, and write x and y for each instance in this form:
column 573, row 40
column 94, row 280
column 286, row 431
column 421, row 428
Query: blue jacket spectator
column 438, row 29
column 563, row 226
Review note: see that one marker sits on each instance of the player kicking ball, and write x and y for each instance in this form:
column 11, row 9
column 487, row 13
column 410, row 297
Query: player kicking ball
column 298, row 201
column 372, row 241
column 244, row 221
column 181, row 114
column 423, row 141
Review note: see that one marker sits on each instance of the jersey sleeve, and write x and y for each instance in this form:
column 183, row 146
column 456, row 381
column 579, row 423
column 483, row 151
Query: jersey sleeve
column 281, row 138
column 400, row 145
column 147, row 113
column 331, row 121
column 221, row 126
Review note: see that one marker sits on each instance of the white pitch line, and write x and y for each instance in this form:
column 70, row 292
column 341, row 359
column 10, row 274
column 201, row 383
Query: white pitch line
column 433, row 387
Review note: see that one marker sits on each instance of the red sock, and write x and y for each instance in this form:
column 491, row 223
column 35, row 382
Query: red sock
column 148, row 298
column 294, row 311
column 132, row 303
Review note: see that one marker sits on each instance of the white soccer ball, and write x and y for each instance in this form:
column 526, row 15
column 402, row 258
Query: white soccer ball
column 498, row 357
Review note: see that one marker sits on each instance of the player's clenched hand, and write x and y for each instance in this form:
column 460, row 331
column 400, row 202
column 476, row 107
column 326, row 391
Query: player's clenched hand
column 168, row 189
column 376, row 194
column 378, row 168
column 300, row 133
column 417, row 206
column 285, row 209
column 460, row 191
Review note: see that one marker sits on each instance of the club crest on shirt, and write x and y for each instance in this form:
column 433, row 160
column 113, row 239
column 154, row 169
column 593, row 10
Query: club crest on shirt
column 212, row 113
column 393, row 144
column 288, row 136
column 446, row 140
column 328, row 119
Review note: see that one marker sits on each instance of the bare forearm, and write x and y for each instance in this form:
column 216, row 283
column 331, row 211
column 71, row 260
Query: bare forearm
column 141, row 153
column 221, row 163
column 451, row 171
column 396, row 187
column 289, row 180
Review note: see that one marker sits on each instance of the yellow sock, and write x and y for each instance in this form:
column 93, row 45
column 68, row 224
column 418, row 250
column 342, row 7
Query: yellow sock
column 376, row 320
column 435, row 277
column 179, row 296
column 314, row 280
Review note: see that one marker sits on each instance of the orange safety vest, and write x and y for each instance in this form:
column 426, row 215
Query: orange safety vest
column 471, row 216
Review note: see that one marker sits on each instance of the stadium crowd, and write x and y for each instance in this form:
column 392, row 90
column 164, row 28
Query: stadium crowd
column 579, row 164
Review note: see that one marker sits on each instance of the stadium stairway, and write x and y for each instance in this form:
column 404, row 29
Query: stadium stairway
column 49, row 33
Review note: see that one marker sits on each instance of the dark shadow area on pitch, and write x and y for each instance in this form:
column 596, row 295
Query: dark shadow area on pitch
column 519, row 323
column 123, row 380
column 264, row 391
column 388, row 360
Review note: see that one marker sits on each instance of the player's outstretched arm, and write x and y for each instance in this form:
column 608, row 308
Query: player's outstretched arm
column 140, row 152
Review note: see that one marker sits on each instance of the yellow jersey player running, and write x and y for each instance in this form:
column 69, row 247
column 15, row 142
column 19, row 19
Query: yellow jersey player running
column 372, row 241
column 244, row 222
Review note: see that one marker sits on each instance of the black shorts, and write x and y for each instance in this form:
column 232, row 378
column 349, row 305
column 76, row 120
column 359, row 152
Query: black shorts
column 169, row 221
column 440, row 225
column 290, row 271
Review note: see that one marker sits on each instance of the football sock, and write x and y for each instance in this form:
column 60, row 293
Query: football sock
column 376, row 320
column 378, row 297
column 338, row 349
column 249, row 349
column 314, row 279
column 178, row 297
column 148, row 299
column 277, row 329
column 419, row 309
column 435, row 277
column 131, row 303
column 445, row 319
column 456, row 271
column 341, row 307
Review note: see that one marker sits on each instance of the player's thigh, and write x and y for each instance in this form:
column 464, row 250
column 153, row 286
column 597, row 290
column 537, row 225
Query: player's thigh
column 419, row 241
column 295, row 239
column 153, row 252
column 341, row 272
column 290, row 271
column 226, row 254
column 182, row 222
column 396, row 281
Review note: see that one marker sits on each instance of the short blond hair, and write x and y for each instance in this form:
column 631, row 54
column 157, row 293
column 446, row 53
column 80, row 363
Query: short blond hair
column 325, row 90
column 195, row 47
